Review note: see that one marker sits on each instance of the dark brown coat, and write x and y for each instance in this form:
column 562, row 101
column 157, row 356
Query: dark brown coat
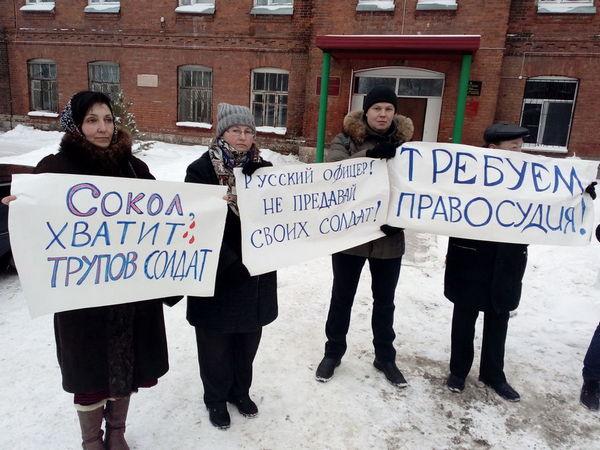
column 354, row 142
column 112, row 349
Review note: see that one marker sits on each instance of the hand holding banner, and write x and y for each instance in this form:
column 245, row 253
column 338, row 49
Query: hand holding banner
column 83, row 241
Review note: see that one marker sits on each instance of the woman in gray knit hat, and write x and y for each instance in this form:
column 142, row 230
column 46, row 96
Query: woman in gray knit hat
column 229, row 324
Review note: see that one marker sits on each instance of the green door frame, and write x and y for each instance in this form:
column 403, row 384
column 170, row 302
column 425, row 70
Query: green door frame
column 325, row 65
column 461, row 102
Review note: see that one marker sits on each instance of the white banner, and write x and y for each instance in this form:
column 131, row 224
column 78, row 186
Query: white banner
column 294, row 213
column 491, row 194
column 82, row 241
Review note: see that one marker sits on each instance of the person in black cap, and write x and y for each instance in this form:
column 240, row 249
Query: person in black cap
column 590, row 391
column 374, row 132
column 484, row 276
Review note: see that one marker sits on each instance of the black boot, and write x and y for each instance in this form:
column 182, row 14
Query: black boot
column 219, row 416
column 246, row 406
column 503, row 389
column 455, row 383
column 326, row 368
column 391, row 372
column 590, row 395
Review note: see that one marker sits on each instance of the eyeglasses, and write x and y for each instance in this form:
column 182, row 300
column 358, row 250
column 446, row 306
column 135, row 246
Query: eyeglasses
column 239, row 132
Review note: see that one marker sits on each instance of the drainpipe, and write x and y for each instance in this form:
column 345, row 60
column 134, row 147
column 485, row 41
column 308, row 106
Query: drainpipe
column 461, row 101
column 325, row 65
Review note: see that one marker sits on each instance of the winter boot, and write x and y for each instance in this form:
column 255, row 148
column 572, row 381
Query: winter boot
column 116, row 414
column 326, row 368
column 91, row 431
column 590, row 395
column 391, row 372
column 219, row 416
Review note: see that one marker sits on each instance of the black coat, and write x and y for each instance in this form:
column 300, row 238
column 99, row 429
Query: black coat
column 111, row 349
column 484, row 275
column 241, row 303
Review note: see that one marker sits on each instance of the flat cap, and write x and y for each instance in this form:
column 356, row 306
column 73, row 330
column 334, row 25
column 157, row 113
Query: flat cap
column 503, row 131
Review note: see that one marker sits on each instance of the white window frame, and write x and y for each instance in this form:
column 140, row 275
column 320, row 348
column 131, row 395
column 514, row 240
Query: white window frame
column 274, row 7
column 103, row 6
column 196, row 7
column 38, row 6
column 436, row 5
column 204, row 122
column 105, row 85
column 41, row 82
column 375, row 5
column 537, row 146
column 566, row 7
column 277, row 128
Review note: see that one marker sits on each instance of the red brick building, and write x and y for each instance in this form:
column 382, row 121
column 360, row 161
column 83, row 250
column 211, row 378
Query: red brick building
column 533, row 62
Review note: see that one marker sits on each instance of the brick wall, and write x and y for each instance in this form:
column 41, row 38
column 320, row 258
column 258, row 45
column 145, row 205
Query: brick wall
column 565, row 45
column 232, row 43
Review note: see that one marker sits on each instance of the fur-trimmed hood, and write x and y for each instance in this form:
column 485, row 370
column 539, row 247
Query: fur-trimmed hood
column 356, row 127
column 111, row 161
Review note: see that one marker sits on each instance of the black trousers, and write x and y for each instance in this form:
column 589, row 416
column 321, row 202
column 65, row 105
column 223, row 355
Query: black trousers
column 225, row 362
column 495, row 327
column 346, row 275
column 591, row 363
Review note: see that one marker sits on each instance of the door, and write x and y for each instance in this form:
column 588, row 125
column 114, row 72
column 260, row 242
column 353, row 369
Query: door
column 414, row 109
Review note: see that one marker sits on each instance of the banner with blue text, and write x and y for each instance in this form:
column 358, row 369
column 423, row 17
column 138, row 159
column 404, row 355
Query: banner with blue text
column 294, row 213
column 490, row 194
column 90, row 241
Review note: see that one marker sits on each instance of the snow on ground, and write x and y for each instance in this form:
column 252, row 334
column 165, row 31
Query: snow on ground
column 357, row 409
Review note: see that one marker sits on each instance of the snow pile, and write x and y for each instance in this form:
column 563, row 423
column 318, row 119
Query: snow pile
column 547, row 340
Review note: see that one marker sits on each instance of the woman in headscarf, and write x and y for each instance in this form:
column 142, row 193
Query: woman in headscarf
column 105, row 353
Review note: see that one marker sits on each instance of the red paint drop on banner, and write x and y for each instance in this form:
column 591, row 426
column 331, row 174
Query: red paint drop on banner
column 192, row 225
column 185, row 234
column 192, row 239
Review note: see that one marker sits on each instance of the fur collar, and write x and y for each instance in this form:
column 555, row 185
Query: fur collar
column 111, row 161
column 356, row 127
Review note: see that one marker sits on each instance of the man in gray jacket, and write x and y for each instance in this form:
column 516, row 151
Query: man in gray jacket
column 374, row 132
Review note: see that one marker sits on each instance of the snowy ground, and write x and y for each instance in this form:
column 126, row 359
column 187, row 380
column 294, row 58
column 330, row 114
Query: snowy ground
column 358, row 409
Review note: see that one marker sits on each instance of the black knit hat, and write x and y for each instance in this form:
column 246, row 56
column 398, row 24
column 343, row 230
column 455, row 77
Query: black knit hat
column 380, row 94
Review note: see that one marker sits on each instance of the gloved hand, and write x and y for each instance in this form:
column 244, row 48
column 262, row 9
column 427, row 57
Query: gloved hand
column 390, row 230
column 591, row 189
column 383, row 150
column 251, row 166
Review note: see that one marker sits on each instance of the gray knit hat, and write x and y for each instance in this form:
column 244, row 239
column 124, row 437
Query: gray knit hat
column 230, row 115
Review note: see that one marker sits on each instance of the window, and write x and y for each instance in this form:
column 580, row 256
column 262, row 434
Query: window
column 105, row 77
column 270, row 97
column 428, row 5
column 548, row 105
column 38, row 5
column 196, row 6
column 272, row 2
column 280, row 7
column 375, row 5
column 103, row 6
column 43, row 90
column 195, row 94
column 566, row 7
